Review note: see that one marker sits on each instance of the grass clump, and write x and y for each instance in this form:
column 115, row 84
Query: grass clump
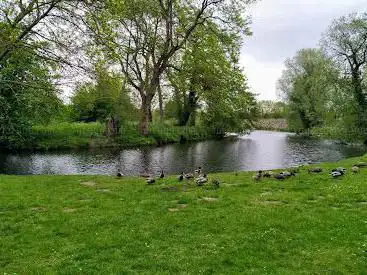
column 308, row 224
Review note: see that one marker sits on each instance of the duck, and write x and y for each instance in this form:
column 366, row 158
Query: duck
column 150, row 180
column 342, row 170
column 201, row 180
column 355, row 169
column 361, row 164
column 161, row 176
column 279, row 177
column 336, row 174
column 198, row 170
column 188, row 176
column 287, row 174
column 119, row 174
column 267, row 174
column 258, row 176
column 315, row 170
column 181, row 177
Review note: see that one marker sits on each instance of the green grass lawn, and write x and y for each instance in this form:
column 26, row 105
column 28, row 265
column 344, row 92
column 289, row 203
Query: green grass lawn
column 310, row 224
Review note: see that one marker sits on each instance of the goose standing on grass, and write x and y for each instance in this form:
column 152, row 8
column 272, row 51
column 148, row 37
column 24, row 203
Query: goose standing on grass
column 315, row 170
column 279, row 177
column 181, row 177
column 198, row 171
column 267, row 174
column 258, row 175
column 161, row 176
column 119, row 174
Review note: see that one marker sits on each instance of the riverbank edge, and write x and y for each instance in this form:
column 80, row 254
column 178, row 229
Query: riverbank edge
column 74, row 142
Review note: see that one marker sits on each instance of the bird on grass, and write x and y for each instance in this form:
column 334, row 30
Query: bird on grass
column 361, row 164
column 336, row 174
column 161, row 176
column 150, row 180
column 341, row 170
column 201, row 180
column 181, row 177
column 188, row 176
column 198, row 170
column 287, row 174
column 279, row 177
column 315, row 170
column 258, row 175
column 119, row 174
column 267, row 174
column 355, row 169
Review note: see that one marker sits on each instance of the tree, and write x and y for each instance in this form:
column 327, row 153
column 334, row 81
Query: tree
column 346, row 43
column 143, row 37
column 102, row 100
column 306, row 85
column 27, row 96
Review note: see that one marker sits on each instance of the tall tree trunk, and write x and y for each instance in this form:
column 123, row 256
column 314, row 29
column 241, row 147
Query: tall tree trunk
column 160, row 98
column 145, row 115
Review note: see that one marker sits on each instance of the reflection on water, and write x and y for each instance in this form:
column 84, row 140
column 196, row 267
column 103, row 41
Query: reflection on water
column 259, row 150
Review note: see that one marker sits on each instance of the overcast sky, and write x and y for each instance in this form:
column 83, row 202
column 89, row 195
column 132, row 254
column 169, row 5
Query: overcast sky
column 281, row 27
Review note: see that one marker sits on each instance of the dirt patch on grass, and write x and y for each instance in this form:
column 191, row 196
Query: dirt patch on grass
column 173, row 209
column 68, row 210
column 170, row 189
column 270, row 202
column 209, row 199
column 88, row 183
column 181, row 205
column 104, row 190
column 38, row 209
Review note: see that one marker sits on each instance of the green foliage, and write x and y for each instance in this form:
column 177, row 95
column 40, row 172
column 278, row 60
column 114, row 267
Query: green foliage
column 27, row 96
column 308, row 224
column 106, row 98
column 209, row 79
column 308, row 84
column 272, row 109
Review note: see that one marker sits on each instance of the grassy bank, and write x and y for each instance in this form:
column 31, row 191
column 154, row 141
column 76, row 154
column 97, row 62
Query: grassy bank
column 272, row 124
column 90, row 135
column 309, row 224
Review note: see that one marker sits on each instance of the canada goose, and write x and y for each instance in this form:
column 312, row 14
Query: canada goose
column 279, row 177
column 361, row 164
column 181, row 177
column 341, row 170
column 119, row 174
column 161, row 176
column 336, row 174
column 150, row 180
column 258, row 175
column 355, row 169
column 267, row 174
column 287, row 174
column 188, row 176
column 315, row 170
column 198, row 171
column 200, row 181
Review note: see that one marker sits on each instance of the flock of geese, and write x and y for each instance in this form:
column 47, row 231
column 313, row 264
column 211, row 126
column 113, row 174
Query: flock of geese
column 335, row 173
column 202, row 178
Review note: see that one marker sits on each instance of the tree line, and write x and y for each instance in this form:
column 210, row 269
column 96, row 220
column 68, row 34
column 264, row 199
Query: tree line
column 325, row 88
column 126, row 57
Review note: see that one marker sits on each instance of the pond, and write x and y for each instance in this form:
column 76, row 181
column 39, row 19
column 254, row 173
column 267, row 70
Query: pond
column 258, row 150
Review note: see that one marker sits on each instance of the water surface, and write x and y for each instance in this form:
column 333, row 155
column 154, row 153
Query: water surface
column 259, row 150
